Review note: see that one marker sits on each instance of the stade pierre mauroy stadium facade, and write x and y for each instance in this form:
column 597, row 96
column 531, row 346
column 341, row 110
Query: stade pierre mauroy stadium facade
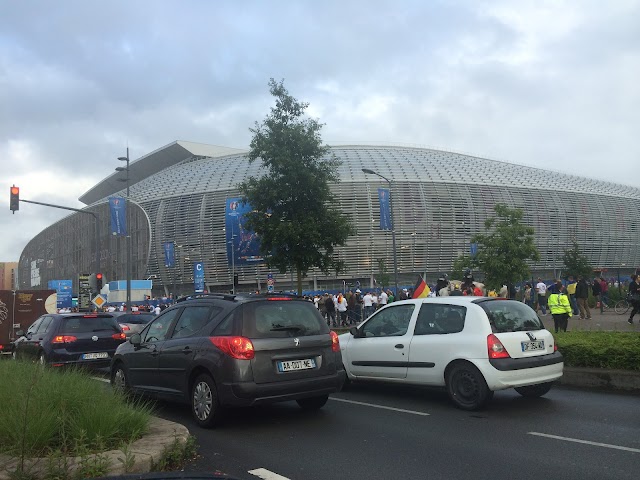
column 180, row 194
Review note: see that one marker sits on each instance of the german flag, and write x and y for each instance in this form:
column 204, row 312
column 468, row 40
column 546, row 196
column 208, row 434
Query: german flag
column 421, row 290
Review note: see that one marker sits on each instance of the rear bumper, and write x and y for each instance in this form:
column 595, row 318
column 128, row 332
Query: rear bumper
column 56, row 359
column 250, row 393
column 548, row 370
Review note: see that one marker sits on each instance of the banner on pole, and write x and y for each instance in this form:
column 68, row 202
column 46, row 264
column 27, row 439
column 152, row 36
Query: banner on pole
column 198, row 277
column 169, row 254
column 118, row 212
column 385, row 209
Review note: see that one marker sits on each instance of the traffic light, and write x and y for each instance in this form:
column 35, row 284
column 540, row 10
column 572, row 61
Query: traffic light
column 14, row 199
column 99, row 280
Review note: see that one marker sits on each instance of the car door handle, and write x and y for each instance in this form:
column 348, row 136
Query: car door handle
column 187, row 350
column 399, row 345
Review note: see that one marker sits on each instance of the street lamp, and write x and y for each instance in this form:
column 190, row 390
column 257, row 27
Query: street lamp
column 393, row 226
column 128, row 237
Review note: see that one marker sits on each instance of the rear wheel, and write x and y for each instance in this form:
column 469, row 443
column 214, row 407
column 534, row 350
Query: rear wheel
column 534, row 390
column 119, row 380
column 313, row 403
column 204, row 401
column 467, row 387
column 42, row 361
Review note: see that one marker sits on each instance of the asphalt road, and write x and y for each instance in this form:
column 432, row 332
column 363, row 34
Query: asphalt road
column 384, row 432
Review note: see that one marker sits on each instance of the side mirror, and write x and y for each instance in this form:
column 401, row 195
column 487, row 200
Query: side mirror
column 20, row 333
column 354, row 331
column 135, row 340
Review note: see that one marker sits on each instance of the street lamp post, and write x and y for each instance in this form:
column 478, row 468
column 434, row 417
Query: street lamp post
column 128, row 237
column 393, row 227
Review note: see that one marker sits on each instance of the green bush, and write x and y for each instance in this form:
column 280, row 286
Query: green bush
column 45, row 411
column 597, row 349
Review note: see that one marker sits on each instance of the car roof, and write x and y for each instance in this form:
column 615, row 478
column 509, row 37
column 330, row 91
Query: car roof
column 451, row 300
column 239, row 298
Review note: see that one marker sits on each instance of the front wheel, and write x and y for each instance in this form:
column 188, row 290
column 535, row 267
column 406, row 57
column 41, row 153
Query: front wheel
column 467, row 387
column 622, row 307
column 534, row 390
column 204, row 401
column 313, row 403
column 119, row 380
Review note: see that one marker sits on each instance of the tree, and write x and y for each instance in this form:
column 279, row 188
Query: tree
column 294, row 213
column 575, row 263
column 460, row 264
column 383, row 276
column 504, row 250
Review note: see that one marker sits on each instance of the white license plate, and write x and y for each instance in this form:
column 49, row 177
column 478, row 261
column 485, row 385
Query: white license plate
column 93, row 356
column 290, row 365
column 531, row 346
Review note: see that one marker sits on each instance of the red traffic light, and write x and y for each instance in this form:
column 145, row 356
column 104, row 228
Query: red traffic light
column 14, row 199
column 15, row 190
column 99, row 276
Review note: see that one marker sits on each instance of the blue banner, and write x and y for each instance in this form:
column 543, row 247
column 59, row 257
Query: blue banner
column 198, row 277
column 118, row 211
column 64, row 289
column 169, row 254
column 243, row 245
column 473, row 249
column 385, row 209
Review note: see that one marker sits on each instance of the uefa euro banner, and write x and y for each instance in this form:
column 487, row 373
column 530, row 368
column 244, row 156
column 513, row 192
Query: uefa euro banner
column 118, row 211
column 385, row 209
column 243, row 245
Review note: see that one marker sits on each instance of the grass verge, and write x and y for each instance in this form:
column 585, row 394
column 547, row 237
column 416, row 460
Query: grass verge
column 598, row 349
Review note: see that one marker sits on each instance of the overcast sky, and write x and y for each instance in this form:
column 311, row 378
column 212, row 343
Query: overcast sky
column 551, row 84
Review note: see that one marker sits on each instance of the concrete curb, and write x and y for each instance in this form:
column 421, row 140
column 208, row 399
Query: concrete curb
column 141, row 455
column 622, row 380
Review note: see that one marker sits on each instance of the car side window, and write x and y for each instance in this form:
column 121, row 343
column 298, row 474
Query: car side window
column 34, row 326
column 393, row 321
column 157, row 330
column 436, row 318
column 45, row 324
column 192, row 320
column 225, row 327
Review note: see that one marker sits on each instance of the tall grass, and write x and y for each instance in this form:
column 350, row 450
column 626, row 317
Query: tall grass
column 43, row 411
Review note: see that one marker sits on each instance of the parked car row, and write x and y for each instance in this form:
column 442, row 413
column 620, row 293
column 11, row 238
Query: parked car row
column 213, row 351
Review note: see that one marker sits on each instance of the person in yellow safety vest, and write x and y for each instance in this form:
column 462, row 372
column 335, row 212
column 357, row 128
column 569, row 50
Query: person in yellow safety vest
column 571, row 291
column 560, row 307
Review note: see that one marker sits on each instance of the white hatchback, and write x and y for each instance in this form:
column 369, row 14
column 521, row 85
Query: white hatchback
column 473, row 346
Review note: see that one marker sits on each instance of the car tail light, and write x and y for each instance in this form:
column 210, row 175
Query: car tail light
column 236, row 347
column 555, row 346
column 1, row 347
column 335, row 342
column 64, row 339
column 279, row 298
column 90, row 316
column 495, row 348
column 125, row 328
column 119, row 336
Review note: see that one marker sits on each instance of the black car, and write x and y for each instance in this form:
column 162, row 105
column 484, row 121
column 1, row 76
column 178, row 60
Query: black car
column 70, row 339
column 214, row 351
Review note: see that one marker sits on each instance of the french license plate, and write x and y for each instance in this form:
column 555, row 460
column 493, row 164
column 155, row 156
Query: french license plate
column 290, row 365
column 93, row 356
column 531, row 346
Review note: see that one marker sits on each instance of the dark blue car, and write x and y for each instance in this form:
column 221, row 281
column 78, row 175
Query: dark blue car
column 70, row 339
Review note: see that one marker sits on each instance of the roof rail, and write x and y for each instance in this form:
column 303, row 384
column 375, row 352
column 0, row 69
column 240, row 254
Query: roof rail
column 224, row 296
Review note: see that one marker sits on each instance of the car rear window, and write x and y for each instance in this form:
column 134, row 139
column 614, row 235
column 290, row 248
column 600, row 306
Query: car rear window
column 281, row 319
column 510, row 316
column 87, row 324
column 141, row 319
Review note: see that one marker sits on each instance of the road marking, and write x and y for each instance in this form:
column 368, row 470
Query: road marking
column 266, row 474
column 105, row 380
column 379, row 406
column 586, row 442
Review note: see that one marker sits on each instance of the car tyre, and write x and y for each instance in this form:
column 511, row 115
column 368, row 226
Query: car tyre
column 42, row 360
column 14, row 355
column 205, row 405
column 467, row 387
column 313, row 403
column 534, row 390
column 119, row 378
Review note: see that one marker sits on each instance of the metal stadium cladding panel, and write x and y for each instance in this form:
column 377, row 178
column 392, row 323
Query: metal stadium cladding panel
column 440, row 200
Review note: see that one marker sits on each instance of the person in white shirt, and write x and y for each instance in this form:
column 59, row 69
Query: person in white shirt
column 367, row 302
column 341, row 305
column 157, row 310
column 541, row 289
column 111, row 308
column 383, row 298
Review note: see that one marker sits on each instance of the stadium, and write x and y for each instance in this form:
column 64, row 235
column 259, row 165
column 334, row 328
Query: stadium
column 180, row 195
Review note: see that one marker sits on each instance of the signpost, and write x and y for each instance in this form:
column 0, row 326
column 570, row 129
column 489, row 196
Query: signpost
column 270, row 282
column 84, row 293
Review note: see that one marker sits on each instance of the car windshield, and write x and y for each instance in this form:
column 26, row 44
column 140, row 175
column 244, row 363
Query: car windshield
column 140, row 319
column 280, row 319
column 510, row 316
column 87, row 324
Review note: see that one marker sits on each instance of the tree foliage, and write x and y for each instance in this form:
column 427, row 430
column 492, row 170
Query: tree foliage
column 503, row 251
column 383, row 276
column 575, row 263
column 460, row 264
column 293, row 210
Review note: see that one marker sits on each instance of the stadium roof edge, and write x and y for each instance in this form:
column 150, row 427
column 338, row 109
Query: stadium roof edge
column 154, row 162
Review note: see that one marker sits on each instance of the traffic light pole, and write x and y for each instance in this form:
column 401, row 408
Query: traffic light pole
column 81, row 211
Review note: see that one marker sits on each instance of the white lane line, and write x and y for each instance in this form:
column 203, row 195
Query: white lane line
column 105, row 380
column 586, row 442
column 266, row 474
column 378, row 406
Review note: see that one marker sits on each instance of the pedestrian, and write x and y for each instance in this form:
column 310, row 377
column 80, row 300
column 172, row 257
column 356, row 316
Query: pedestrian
column 383, row 299
column 341, row 304
column 571, row 291
column 156, row 310
column 634, row 296
column 541, row 290
column 560, row 307
column 596, row 289
column 330, row 307
column 367, row 301
column 528, row 294
column 582, row 297
column 390, row 296
column 604, row 292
